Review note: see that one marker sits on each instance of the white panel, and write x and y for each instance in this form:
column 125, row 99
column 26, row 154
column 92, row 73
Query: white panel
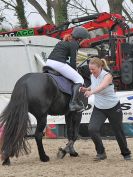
column 17, row 57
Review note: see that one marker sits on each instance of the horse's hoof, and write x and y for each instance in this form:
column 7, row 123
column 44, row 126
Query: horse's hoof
column 61, row 153
column 75, row 154
column 6, row 162
column 45, row 158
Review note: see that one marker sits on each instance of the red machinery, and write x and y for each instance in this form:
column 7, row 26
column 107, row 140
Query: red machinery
column 101, row 20
column 120, row 51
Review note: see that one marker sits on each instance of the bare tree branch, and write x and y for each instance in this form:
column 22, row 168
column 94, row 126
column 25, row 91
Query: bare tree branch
column 2, row 19
column 41, row 11
column 81, row 9
column 9, row 4
column 127, row 14
column 79, row 6
column 18, row 7
column 94, row 5
column 128, row 7
column 68, row 1
column 49, row 9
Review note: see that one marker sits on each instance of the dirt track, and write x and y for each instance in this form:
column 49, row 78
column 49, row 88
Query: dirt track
column 82, row 166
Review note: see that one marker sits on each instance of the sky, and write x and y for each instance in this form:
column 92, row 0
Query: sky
column 35, row 19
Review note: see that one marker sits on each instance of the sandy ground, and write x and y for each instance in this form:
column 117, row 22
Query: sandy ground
column 82, row 166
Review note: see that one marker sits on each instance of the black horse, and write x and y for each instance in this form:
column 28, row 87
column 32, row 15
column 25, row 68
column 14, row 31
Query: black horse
column 37, row 93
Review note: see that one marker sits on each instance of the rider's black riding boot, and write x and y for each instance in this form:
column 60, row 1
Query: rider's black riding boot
column 74, row 104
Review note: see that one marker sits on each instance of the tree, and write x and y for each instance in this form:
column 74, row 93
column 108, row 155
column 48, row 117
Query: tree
column 45, row 15
column 1, row 19
column 58, row 11
column 59, row 8
column 118, row 7
column 21, row 14
column 18, row 7
column 115, row 6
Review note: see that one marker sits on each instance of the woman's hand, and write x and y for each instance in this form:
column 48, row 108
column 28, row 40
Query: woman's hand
column 87, row 93
column 83, row 89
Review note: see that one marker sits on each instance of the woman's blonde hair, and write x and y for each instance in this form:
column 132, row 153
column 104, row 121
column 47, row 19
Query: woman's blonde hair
column 99, row 62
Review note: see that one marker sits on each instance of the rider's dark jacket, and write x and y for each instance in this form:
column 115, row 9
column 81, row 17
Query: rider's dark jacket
column 65, row 50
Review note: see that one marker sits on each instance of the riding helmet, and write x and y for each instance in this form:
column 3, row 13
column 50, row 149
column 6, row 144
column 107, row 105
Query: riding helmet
column 80, row 33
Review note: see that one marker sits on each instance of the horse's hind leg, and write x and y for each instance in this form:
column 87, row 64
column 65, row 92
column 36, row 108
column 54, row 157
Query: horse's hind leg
column 41, row 123
column 4, row 156
column 6, row 161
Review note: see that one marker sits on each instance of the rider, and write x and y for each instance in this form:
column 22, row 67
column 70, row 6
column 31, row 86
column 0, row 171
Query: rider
column 63, row 60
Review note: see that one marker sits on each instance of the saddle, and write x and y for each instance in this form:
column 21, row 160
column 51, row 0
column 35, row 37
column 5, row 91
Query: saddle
column 65, row 85
column 48, row 69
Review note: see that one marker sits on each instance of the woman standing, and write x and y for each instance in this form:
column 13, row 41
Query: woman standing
column 106, row 105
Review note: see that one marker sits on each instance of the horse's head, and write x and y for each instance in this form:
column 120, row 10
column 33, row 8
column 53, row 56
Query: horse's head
column 85, row 73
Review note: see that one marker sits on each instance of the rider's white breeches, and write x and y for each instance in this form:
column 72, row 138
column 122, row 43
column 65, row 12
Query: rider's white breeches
column 66, row 70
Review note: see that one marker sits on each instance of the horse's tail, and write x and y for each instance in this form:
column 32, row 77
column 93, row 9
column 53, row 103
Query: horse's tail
column 16, row 121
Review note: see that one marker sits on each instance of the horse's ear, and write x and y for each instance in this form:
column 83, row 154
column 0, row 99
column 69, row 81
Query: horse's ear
column 88, row 61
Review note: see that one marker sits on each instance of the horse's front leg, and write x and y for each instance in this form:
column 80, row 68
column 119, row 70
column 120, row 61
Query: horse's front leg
column 73, row 120
column 70, row 148
column 73, row 130
column 41, row 123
